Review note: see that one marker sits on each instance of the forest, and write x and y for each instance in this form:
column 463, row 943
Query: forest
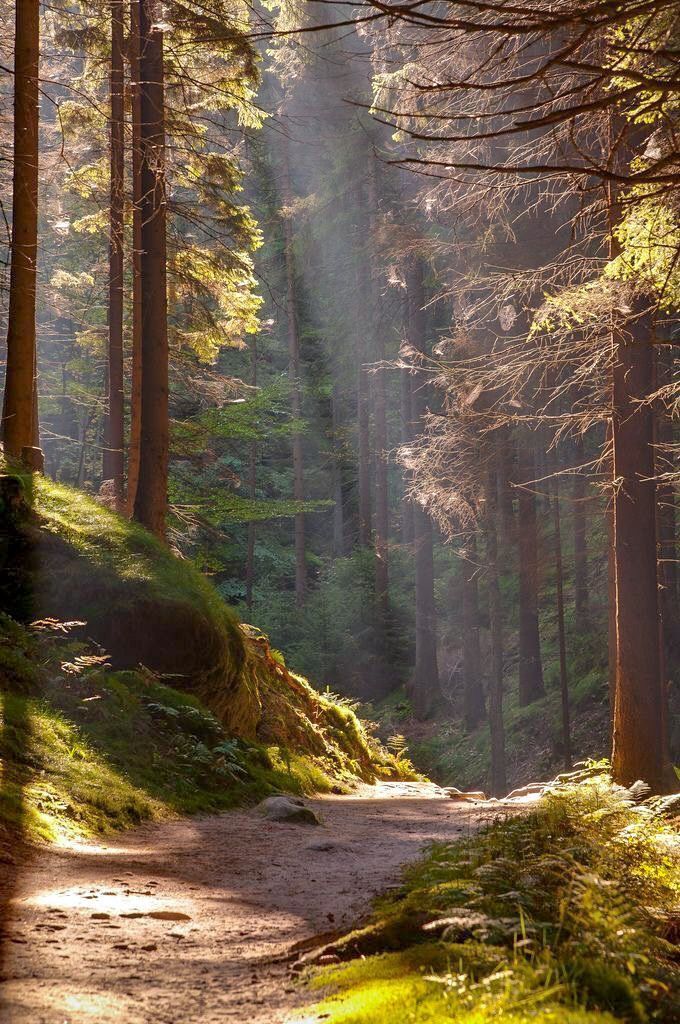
column 339, row 511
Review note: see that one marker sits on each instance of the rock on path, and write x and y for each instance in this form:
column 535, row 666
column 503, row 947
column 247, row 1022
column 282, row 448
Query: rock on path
column 182, row 923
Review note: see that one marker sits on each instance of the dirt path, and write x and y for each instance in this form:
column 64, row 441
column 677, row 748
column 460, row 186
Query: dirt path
column 231, row 892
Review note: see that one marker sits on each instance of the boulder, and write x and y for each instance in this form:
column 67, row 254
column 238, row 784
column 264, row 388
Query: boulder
column 288, row 810
column 457, row 794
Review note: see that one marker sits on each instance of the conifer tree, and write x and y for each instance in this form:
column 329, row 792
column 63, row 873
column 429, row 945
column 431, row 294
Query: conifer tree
column 152, row 486
column 19, row 415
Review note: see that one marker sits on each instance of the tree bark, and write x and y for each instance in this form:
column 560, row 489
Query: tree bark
column 639, row 741
column 377, row 320
column 364, row 431
column 152, row 487
column 424, row 685
column 406, row 438
column 337, row 464
column 136, row 374
column 496, row 726
column 474, row 708
column 382, row 507
column 666, row 528
column 580, row 542
column 506, row 520
column 531, row 685
column 295, row 390
column 19, row 416
column 561, row 633
column 113, row 462
column 611, row 594
column 252, row 489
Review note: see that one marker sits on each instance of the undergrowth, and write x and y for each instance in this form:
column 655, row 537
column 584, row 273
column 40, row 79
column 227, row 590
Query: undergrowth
column 86, row 750
column 90, row 738
column 445, row 751
column 567, row 915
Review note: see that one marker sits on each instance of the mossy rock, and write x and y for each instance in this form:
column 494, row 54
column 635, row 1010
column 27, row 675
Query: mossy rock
column 71, row 559
column 66, row 557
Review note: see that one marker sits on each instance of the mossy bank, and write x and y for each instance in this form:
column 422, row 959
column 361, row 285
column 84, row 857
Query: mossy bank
column 130, row 690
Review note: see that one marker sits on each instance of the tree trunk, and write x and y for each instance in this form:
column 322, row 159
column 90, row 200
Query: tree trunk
column 381, row 482
column 295, row 390
column 561, row 634
column 152, row 487
column 376, row 317
column 364, row 438
column 506, row 520
column 114, row 467
column 531, row 686
column 666, row 529
column 19, row 419
column 136, row 375
column 338, row 495
column 406, row 438
column 580, row 542
column 639, row 742
column 496, row 727
column 252, row 489
column 474, row 708
column 611, row 595
column 424, row 685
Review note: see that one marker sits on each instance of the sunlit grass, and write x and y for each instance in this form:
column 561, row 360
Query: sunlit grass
column 121, row 547
column 555, row 917
column 84, row 750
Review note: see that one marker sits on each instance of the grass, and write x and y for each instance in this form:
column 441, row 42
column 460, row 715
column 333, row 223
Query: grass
column 123, row 549
column 85, row 750
column 91, row 740
column 561, row 916
column 162, row 703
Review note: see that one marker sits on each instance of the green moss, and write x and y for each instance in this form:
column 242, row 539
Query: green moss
column 543, row 918
column 124, row 549
column 95, row 750
column 55, row 782
column 86, row 749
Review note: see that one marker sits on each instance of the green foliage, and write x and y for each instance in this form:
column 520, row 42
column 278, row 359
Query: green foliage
column 337, row 637
column 649, row 239
column 223, row 508
column 542, row 917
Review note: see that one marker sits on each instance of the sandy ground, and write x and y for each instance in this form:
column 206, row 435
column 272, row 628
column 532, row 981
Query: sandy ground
column 184, row 922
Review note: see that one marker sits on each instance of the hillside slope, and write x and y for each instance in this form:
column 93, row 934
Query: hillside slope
column 129, row 689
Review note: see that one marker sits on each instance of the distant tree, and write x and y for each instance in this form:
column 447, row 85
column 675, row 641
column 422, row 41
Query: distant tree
column 114, row 462
column 424, row 684
column 474, row 708
column 294, row 369
column 531, row 685
column 495, row 688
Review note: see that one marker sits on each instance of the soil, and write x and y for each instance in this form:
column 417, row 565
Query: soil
column 197, row 920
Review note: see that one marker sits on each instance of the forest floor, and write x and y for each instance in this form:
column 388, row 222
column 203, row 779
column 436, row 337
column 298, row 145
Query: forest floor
column 193, row 920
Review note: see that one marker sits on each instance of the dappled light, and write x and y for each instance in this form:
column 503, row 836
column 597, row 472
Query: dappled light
column 339, row 535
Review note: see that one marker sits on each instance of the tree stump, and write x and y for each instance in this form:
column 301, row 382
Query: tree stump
column 14, row 508
column 33, row 459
